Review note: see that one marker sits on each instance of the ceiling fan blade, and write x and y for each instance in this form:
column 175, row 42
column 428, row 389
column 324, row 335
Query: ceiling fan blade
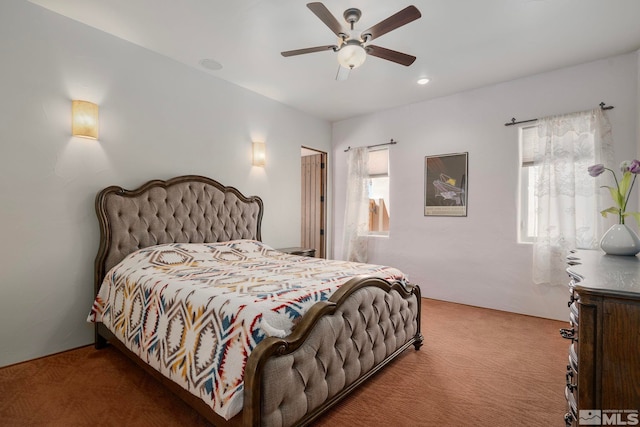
column 390, row 55
column 406, row 15
column 325, row 16
column 309, row 50
column 343, row 73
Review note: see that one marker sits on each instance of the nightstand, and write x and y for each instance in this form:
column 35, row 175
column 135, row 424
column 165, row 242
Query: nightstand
column 298, row 251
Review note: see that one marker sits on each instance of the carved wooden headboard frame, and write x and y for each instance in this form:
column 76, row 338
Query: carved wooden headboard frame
column 185, row 209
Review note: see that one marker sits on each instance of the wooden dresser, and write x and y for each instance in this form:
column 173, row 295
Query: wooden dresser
column 603, row 369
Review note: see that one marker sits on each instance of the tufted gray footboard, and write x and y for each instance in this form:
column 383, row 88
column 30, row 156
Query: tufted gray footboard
column 339, row 344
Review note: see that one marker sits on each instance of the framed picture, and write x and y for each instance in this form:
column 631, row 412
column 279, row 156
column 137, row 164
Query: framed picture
column 446, row 185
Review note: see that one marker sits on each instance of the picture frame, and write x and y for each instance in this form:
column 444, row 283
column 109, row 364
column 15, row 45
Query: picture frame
column 446, row 184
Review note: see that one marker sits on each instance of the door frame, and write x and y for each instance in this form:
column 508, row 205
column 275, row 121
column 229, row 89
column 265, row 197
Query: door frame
column 324, row 202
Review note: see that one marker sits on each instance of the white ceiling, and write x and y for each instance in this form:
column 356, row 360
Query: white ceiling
column 460, row 44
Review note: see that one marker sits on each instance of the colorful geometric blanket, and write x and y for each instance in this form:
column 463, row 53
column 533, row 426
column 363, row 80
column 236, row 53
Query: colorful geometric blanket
column 195, row 311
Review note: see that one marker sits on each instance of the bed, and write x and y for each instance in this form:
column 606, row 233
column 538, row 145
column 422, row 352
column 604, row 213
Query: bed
column 181, row 258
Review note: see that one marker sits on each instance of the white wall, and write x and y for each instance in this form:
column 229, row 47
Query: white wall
column 476, row 259
column 638, row 112
column 158, row 119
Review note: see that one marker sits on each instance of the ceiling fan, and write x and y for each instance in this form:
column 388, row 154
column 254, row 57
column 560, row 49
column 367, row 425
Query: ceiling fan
column 353, row 48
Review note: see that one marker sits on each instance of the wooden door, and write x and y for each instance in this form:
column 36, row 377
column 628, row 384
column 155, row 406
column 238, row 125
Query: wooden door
column 313, row 207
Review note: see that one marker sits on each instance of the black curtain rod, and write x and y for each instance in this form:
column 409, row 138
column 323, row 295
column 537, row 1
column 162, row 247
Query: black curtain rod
column 513, row 120
column 391, row 142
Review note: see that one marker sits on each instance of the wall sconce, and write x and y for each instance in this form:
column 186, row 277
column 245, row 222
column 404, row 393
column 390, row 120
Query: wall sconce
column 84, row 119
column 259, row 153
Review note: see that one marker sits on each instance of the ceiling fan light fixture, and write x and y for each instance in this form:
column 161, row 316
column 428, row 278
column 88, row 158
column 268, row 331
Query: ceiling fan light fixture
column 352, row 55
column 353, row 46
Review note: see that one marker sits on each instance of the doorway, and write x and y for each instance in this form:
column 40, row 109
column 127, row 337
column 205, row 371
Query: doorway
column 313, row 209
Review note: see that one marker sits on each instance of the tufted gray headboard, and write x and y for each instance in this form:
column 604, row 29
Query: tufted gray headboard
column 185, row 209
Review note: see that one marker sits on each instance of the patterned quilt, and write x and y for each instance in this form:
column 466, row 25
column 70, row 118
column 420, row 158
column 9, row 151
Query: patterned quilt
column 195, row 311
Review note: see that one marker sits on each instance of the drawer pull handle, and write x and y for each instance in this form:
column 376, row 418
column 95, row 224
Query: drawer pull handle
column 568, row 419
column 568, row 334
column 569, row 374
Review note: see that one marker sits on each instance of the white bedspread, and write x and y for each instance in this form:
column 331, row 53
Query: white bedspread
column 195, row 311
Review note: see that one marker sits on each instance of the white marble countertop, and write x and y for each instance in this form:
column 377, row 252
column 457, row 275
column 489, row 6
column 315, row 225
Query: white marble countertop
column 602, row 273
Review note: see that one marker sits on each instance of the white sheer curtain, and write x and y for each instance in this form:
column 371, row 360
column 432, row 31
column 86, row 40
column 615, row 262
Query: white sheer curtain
column 568, row 198
column 356, row 216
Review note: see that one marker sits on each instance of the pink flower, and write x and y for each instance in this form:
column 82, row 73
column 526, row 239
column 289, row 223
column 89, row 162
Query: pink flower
column 624, row 166
column 596, row 170
column 622, row 191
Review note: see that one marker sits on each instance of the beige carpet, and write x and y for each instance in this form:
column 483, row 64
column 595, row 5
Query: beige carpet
column 478, row 367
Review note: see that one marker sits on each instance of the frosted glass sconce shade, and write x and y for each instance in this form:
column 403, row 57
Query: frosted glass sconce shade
column 259, row 153
column 84, row 119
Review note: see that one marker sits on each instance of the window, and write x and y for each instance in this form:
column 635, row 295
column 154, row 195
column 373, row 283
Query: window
column 583, row 207
column 558, row 199
column 527, row 231
column 378, row 186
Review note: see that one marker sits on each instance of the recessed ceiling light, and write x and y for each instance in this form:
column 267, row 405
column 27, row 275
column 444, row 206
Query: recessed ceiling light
column 423, row 81
column 210, row 64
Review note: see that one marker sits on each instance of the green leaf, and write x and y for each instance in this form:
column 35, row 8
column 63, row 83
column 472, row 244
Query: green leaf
column 625, row 183
column 618, row 199
column 610, row 210
column 635, row 215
